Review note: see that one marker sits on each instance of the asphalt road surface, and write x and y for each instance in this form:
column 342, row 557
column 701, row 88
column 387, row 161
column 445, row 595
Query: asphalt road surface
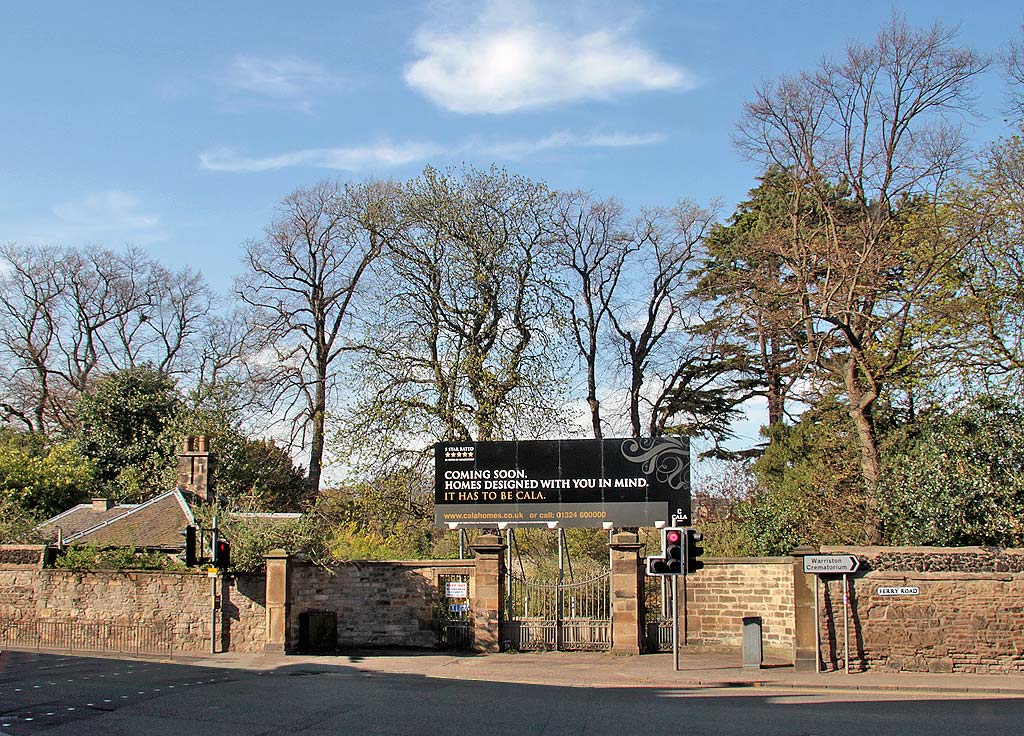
column 53, row 694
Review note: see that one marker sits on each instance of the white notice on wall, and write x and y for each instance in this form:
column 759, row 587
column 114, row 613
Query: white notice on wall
column 456, row 590
column 904, row 590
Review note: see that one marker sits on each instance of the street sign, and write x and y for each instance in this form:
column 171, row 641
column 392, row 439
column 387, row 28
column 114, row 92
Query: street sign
column 831, row 564
column 456, row 590
column 902, row 590
column 458, row 607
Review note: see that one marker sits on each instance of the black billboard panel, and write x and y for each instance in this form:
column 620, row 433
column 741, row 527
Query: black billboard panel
column 577, row 483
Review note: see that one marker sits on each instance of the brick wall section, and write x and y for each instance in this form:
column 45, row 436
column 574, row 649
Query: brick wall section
column 376, row 603
column 967, row 617
column 181, row 599
column 719, row 596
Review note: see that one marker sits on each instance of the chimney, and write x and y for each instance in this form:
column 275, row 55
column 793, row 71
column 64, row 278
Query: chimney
column 102, row 504
column 194, row 467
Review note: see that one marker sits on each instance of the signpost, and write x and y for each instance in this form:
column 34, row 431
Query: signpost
column 562, row 483
column 832, row 565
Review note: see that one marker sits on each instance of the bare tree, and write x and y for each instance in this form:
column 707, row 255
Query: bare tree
column 464, row 338
column 68, row 315
column 648, row 317
column 301, row 280
column 868, row 137
column 591, row 243
column 1013, row 68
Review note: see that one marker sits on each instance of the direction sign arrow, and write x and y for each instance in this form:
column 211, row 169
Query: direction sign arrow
column 830, row 564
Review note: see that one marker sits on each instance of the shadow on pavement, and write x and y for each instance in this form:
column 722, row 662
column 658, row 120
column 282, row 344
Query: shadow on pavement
column 60, row 694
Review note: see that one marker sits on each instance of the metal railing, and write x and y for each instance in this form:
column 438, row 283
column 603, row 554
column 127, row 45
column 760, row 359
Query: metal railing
column 453, row 619
column 154, row 638
column 570, row 616
column 658, row 612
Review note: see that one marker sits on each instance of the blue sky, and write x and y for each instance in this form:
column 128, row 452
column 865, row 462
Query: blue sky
column 177, row 127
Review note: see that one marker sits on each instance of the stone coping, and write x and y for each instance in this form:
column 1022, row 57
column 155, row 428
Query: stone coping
column 457, row 564
column 936, row 576
column 709, row 561
column 879, row 550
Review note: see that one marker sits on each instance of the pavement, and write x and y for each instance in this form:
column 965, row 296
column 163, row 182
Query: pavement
column 697, row 669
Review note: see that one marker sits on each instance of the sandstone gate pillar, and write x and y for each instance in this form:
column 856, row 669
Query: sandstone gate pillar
column 488, row 592
column 805, row 648
column 627, row 587
column 277, row 602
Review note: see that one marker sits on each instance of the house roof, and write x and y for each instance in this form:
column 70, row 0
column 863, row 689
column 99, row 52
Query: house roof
column 155, row 524
column 81, row 517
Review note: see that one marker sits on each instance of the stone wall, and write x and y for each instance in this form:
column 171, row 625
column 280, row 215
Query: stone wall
column 376, row 603
column 719, row 596
column 948, row 610
column 181, row 600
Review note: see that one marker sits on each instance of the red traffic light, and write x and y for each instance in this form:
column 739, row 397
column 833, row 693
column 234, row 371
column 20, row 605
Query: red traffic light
column 672, row 536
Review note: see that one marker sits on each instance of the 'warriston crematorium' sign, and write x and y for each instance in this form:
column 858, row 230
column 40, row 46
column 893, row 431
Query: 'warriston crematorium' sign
column 577, row 483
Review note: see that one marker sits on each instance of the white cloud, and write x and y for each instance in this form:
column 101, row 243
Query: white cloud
column 354, row 158
column 387, row 154
column 112, row 217
column 287, row 79
column 507, row 60
column 113, row 210
column 518, row 149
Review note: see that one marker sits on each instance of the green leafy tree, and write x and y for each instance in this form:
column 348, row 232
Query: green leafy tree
column 810, row 488
column 956, row 477
column 252, row 474
column 989, row 219
column 122, row 429
column 882, row 122
column 39, row 480
column 744, row 278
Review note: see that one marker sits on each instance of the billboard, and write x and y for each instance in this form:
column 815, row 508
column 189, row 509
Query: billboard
column 576, row 483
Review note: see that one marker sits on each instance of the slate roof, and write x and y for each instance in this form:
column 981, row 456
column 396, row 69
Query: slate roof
column 81, row 517
column 155, row 524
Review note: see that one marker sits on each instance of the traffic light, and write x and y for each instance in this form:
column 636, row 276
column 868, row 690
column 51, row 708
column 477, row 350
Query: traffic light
column 188, row 555
column 694, row 550
column 222, row 554
column 671, row 560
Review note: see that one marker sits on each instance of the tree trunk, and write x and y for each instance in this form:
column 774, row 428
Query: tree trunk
column 634, row 399
column 861, row 404
column 595, row 405
column 316, row 449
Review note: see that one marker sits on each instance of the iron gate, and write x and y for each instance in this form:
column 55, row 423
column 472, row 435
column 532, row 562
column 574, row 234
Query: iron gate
column 453, row 615
column 572, row 616
column 658, row 613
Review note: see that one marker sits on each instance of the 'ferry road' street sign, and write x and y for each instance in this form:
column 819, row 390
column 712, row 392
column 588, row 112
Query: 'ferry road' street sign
column 830, row 564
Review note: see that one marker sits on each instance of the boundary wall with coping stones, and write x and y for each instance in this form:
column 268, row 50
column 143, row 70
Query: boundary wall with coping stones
column 968, row 614
column 955, row 610
column 138, row 597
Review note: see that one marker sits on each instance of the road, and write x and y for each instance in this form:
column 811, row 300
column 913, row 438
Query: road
column 54, row 694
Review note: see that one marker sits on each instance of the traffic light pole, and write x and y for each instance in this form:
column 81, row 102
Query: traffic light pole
column 213, row 596
column 675, row 623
